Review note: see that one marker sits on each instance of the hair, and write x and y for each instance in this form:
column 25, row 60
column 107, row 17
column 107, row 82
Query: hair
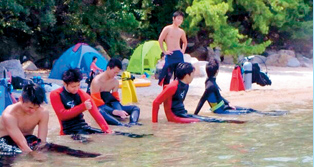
column 212, row 67
column 94, row 58
column 178, row 13
column 72, row 75
column 183, row 69
column 162, row 55
column 33, row 93
column 113, row 62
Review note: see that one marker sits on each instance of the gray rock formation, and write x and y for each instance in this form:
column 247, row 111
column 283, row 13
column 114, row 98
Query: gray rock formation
column 14, row 66
column 29, row 65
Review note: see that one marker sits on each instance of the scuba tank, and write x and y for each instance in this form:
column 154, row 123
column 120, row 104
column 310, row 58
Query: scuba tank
column 247, row 76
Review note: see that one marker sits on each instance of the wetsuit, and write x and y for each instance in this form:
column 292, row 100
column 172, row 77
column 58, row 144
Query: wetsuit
column 69, row 109
column 9, row 148
column 108, row 102
column 173, row 96
column 171, row 62
column 218, row 104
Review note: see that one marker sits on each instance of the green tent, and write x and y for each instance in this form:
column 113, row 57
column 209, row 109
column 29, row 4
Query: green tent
column 145, row 57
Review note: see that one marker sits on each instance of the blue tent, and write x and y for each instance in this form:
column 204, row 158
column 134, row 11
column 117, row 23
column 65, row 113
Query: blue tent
column 78, row 56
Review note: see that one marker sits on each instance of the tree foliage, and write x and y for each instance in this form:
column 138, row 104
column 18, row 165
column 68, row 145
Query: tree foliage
column 243, row 26
column 51, row 26
column 238, row 27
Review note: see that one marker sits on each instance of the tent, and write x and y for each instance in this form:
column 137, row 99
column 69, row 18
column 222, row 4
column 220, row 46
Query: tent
column 78, row 56
column 145, row 57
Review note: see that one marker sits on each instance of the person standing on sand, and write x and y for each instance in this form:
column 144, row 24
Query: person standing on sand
column 172, row 35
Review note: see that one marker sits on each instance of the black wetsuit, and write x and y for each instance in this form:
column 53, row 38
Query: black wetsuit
column 177, row 106
column 73, row 122
column 111, row 104
column 171, row 63
column 9, row 148
column 218, row 104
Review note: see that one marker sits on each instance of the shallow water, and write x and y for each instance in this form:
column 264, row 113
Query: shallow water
column 262, row 141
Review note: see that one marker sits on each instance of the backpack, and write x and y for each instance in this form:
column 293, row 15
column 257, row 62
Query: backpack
column 259, row 77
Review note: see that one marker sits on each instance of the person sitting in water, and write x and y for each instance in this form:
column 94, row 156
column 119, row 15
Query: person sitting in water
column 69, row 102
column 173, row 96
column 18, row 121
column 218, row 104
column 104, row 91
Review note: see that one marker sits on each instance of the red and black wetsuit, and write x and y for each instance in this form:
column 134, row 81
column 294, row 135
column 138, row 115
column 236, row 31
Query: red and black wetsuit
column 69, row 109
column 173, row 96
column 218, row 104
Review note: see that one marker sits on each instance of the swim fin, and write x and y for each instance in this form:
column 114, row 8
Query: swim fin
column 273, row 113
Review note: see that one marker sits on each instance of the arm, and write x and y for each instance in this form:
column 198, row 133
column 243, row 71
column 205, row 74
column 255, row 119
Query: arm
column 95, row 113
column 11, row 125
column 184, row 42
column 168, row 92
column 161, row 39
column 43, row 126
column 94, row 87
column 62, row 113
column 116, row 86
column 94, row 66
column 202, row 101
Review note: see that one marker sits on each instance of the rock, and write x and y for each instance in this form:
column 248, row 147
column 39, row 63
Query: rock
column 227, row 60
column 125, row 63
column 102, row 51
column 305, row 62
column 14, row 66
column 293, row 62
column 29, row 65
column 272, row 60
column 187, row 58
column 200, row 68
column 287, row 52
column 259, row 59
column 283, row 60
column 200, row 53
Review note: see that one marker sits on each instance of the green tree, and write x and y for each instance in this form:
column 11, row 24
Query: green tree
column 246, row 26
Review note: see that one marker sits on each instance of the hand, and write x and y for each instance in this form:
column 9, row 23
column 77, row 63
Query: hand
column 109, row 131
column 120, row 113
column 232, row 107
column 168, row 52
column 88, row 104
column 38, row 156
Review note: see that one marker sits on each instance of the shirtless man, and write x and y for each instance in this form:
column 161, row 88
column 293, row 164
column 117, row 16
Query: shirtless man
column 172, row 34
column 19, row 120
column 104, row 92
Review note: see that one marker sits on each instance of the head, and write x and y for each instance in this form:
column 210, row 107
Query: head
column 94, row 59
column 33, row 96
column 71, row 80
column 177, row 18
column 212, row 67
column 185, row 71
column 114, row 67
